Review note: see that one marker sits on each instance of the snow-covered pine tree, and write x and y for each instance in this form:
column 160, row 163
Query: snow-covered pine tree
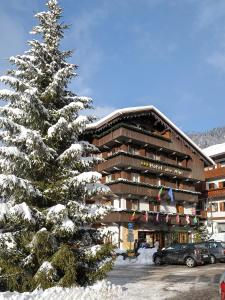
column 46, row 172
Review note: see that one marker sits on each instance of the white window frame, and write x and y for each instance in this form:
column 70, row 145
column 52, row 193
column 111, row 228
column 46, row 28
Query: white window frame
column 135, row 177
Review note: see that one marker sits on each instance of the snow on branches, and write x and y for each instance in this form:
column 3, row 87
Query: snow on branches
column 46, row 171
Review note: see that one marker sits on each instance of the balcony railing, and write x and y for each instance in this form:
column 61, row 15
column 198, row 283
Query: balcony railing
column 122, row 160
column 216, row 193
column 125, row 217
column 215, row 172
column 132, row 188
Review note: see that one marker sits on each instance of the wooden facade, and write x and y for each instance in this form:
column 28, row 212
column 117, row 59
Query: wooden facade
column 144, row 152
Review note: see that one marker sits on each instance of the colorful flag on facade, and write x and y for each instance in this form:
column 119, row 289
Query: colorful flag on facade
column 146, row 216
column 195, row 220
column 133, row 216
column 157, row 217
column 170, row 194
column 177, row 219
column 167, row 218
column 160, row 193
column 187, row 218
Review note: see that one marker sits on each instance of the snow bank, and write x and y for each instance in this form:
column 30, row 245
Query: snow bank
column 144, row 258
column 99, row 291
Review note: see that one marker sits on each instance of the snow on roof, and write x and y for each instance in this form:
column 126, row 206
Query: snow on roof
column 122, row 111
column 214, row 150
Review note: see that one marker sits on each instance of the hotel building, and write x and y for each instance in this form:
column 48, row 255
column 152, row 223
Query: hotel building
column 146, row 155
column 214, row 189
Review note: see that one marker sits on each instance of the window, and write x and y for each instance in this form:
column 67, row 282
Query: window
column 108, row 178
column 211, row 186
column 135, row 177
column 133, row 150
column 221, row 227
column 222, row 184
column 153, row 155
column 151, row 206
column 150, row 155
column 175, row 247
column 178, row 185
column 180, row 209
column 213, row 245
column 179, row 163
column 132, row 204
column 214, row 206
column 222, row 206
column 157, row 156
column 156, row 208
column 112, row 151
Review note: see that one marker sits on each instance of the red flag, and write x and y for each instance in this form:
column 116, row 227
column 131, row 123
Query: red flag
column 177, row 219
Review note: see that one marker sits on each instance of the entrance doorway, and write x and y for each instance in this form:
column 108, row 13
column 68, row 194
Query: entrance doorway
column 151, row 237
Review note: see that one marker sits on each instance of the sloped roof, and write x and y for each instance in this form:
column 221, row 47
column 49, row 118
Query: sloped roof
column 150, row 108
column 215, row 150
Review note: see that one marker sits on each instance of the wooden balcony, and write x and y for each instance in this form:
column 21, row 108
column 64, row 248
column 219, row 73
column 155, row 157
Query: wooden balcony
column 125, row 135
column 139, row 218
column 142, row 190
column 215, row 173
column 216, row 193
column 123, row 160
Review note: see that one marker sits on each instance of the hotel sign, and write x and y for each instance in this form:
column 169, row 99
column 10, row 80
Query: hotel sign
column 161, row 168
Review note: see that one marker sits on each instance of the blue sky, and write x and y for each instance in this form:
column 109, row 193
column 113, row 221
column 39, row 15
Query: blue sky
column 169, row 53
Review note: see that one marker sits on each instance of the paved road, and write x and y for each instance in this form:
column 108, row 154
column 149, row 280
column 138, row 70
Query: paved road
column 168, row 282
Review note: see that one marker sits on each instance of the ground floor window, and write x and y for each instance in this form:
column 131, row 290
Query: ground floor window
column 152, row 237
column 164, row 238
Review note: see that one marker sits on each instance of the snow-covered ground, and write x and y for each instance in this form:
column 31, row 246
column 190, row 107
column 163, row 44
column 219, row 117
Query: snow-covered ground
column 144, row 258
column 102, row 290
column 167, row 282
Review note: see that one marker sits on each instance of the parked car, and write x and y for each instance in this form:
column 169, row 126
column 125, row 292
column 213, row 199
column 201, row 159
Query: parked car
column 188, row 254
column 216, row 250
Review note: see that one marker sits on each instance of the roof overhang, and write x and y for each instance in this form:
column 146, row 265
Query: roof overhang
column 124, row 111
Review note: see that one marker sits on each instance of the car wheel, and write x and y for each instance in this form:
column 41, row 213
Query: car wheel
column 212, row 259
column 190, row 262
column 158, row 261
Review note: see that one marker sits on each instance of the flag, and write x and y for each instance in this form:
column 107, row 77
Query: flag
column 133, row 216
column 195, row 220
column 167, row 218
column 157, row 217
column 177, row 219
column 160, row 193
column 187, row 218
column 146, row 216
column 170, row 194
